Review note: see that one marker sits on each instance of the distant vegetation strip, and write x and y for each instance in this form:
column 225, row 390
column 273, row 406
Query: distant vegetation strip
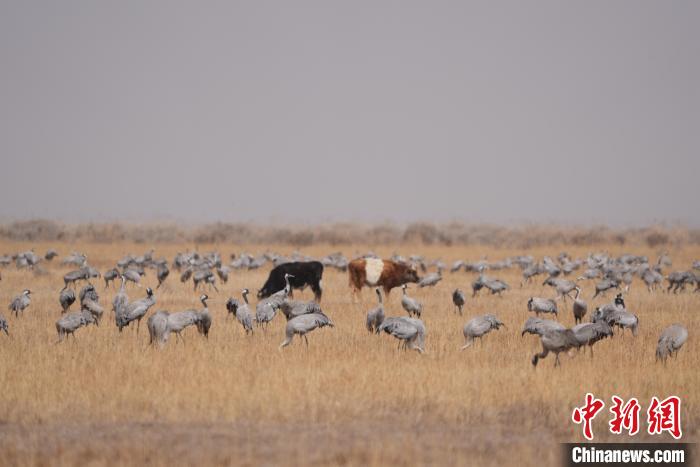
column 522, row 236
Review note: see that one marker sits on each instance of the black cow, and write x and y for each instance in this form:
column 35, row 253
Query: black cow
column 305, row 274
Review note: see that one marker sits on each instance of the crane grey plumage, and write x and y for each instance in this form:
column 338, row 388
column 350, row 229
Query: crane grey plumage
column 204, row 319
column 71, row 322
column 458, row 299
column 624, row 319
column 180, row 320
column 66, row 298
column 542, row 305
column 375, row 316
column 409, row 331
column 539, row 326
column 555, row 341
column 132, row 275
column 121, row 299
column 136, row 310
column 88, row 292
column 158, row 328
column 241, row 311
column 604, row 285
column 223, row 272
column 50, row 254
column 588, row 334
column 293, row 308
column 3, row 325
column 431, row 279
column 563, row 287
column 110, row 276
column 162, row 273
column 265, row 311
column 670, row 342
column 412, row 306
column 301, row 325
column 89, row 301
column 479, row 326
column 20, row 302
column 580, row 307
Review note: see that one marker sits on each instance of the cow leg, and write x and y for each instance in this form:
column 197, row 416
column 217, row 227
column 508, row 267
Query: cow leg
column 316, row 288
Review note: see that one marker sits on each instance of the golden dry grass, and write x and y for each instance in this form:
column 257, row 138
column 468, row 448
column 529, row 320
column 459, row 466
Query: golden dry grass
column 350, row 398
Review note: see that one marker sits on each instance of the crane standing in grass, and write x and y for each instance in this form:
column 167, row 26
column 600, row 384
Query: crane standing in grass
column 412, row 306
column 375, row 316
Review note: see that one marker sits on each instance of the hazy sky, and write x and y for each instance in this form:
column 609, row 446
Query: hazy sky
column 318, row 111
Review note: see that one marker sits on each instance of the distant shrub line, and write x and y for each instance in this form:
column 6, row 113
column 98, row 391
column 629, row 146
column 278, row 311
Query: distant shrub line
column 454, row 233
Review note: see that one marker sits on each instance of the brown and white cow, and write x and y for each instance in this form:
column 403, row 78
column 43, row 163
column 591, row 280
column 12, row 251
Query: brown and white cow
column 376, row 272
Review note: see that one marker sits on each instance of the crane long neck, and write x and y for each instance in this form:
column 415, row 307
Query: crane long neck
column 245, row 297
column 379, row 295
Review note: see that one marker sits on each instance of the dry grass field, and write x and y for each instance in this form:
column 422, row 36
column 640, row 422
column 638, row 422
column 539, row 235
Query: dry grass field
column 350, row 398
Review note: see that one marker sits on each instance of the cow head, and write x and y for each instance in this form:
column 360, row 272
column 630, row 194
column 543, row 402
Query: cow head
column 410, row 274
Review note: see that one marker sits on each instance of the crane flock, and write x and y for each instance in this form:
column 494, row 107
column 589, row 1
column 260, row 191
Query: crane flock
column 303, row 317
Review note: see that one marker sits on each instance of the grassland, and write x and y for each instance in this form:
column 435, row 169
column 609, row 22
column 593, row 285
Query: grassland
column 350, row 398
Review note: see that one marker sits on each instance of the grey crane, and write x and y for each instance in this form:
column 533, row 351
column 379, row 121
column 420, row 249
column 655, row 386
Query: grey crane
column 186, row 274
column 3, row 325
column 110, row 276
column 158, row 327
column 495, row 286
column 21, row 302
column 652, row 278
column 204, row 276
column 162, row 273
column 624, row 319
column 479, row 326
column 50, row 254
column 89, row 301
column 555, row 341
column 132, row 275
column 120, row 298
column 241, row 311
column 604, row 285
column 563, row 287
column 72, row 277
column 409, row 331
column 670, row 342
column 71, row 322
column 539, row 326
column 180, row 320
column 265, row 311
column 580, row 307
column 88, row 292
column 588, row 334
column 677, row 280
column 430, row 280
column 458, row 298
column 75, row 259
column 457, row 265
column 412, row 306
column 293, row 308
column 375, row 316
column 222, row 272
column 303, row 324
column 542, row 305
column 135, row 311
column 531, row 271
column 66, row 298
column 616, row 316
column 204, row 318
